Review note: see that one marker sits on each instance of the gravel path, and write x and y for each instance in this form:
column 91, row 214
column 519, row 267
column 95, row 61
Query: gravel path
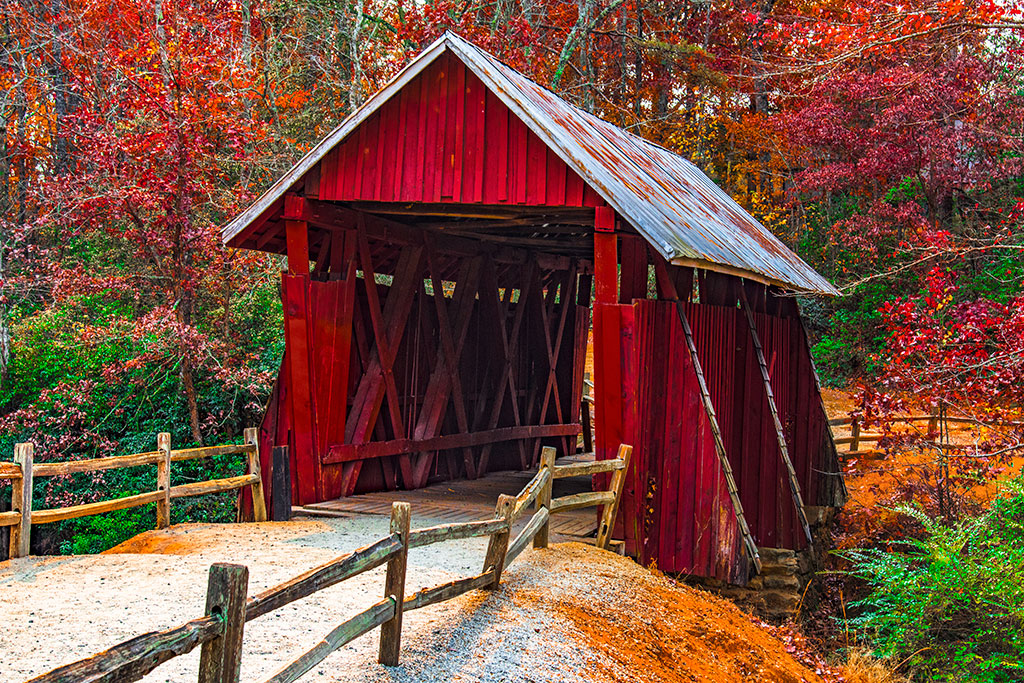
column 570, row 613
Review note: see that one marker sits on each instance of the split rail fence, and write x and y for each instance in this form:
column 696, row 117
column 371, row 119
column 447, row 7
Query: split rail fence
column 937, row 424
column 219, row 631
column 23, row 472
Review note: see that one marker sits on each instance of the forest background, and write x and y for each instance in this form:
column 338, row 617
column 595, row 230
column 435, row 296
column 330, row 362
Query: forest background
column 880, row 140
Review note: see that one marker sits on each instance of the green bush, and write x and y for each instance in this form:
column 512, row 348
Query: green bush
column 950, row 605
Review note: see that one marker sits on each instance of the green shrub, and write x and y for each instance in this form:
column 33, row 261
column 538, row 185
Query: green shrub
column 950, row 605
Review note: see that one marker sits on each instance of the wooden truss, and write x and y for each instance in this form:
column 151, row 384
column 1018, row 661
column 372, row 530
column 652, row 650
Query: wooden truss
column 456, row 358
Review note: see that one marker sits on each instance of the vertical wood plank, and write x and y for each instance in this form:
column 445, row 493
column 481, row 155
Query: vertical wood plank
column 394, row 586
column 21, row 501
column 259, row 501
column 220, row 660
column 604, row 531
column 547, row 463
column 479, row 138
column 498, row 545
column 163, row 480
column 295, row 290
column 536, row 178
column 281, row 485
column 606, row 260
column 458, row 151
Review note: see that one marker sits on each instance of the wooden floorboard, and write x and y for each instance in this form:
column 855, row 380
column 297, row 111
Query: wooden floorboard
column 466, row 500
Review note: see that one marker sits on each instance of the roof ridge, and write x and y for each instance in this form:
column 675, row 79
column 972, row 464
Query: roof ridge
column 674, row 205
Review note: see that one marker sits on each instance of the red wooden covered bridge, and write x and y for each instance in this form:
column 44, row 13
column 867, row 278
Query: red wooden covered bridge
column 449, row 247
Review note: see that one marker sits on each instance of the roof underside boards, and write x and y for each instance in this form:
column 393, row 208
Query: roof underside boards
column 685, row 216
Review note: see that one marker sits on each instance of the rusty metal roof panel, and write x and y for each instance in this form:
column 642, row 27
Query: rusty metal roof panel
column 686, row 217
column 667, row 199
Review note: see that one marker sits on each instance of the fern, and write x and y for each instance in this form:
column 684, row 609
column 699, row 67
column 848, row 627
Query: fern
column 949, row 604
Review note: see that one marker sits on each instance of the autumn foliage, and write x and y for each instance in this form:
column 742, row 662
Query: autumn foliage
column 882, row 141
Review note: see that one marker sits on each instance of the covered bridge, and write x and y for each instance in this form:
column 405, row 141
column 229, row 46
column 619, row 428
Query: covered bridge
column 449, row 247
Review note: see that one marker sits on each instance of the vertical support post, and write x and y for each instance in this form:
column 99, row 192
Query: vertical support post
column 608, row 396
column 21, row 501
column 588, row 430
column 296, row 235
column 220, row 660
column 163, row 480
column 259, row 503
column 498, row 546
column 855, row 434
column 394, row 586
column 280, row 485
column 604, row 531
column 547, row 462
column 606, row 258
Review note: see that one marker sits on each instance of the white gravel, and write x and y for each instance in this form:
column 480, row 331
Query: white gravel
column 55, row 610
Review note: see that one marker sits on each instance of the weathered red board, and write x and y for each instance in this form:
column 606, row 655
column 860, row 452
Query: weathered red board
column 446, row 138
column 676, row 510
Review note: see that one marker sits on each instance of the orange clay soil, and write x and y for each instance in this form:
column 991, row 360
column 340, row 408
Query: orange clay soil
column 189, row 539
column 644, row 627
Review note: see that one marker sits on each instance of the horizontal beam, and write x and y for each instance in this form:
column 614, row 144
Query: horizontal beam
column 454, row 532
column 582, row 500
column 316, row 579
column 584, row 215
column 332, row 216
column 345, row 633
column 447, row 591
column 133, row 659
column 581, row 469
column 210, row 451
column 202, row 488
column 59, row 469
column 60, row 514
column 376, row 449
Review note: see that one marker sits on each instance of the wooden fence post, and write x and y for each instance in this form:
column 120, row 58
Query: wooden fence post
column 280, row 485
column 604, row 531
column 588, row 433
column 498, row 546
column 220, row 660
column 163, row 480
column 855, row 434
column 259, row 503
column 547, row 462
column 21, row 501
column 394, row 587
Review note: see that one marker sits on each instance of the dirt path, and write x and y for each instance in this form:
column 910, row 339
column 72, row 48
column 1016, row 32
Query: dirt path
column 567, row 614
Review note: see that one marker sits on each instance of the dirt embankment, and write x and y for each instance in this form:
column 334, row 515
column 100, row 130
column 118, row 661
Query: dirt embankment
column 570, row 613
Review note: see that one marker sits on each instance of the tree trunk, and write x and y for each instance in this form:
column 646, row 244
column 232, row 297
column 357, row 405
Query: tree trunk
column 193, row 400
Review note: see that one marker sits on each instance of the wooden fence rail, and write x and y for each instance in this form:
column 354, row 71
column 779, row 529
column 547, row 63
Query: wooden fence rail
column 936, row 423
column 219, row 632
column 24, row 471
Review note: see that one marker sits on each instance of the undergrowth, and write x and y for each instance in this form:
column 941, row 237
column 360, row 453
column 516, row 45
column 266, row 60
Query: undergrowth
column 948, row 603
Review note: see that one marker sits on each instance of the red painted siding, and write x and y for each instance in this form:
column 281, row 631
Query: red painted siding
column 676, row 509
column 446, row 138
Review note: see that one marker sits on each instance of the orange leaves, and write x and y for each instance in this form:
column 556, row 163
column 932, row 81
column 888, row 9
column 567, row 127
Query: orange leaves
column 292, row 100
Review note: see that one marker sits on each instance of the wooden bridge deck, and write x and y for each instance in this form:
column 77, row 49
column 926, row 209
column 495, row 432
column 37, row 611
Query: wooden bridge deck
column 466, row 500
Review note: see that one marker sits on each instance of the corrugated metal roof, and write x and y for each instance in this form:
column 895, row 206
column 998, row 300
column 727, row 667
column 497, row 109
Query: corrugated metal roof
column 686, row 217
